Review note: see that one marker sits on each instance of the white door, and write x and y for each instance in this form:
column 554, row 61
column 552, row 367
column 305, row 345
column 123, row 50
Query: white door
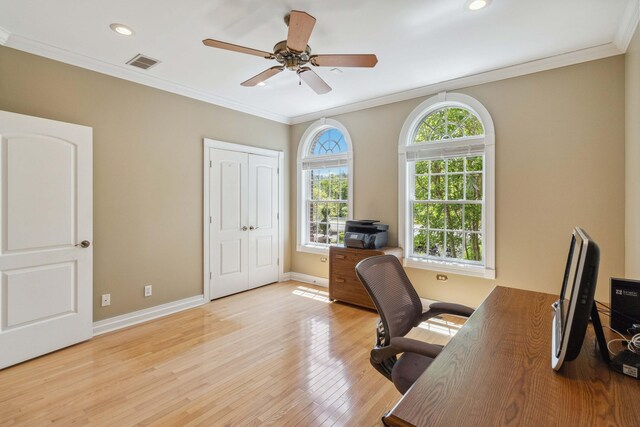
column 263, row 221
column 45, row 215
column 228, row 227
column 243, row 226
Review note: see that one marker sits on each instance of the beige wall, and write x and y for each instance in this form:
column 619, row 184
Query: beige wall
column 632, row 158
column 559, row 152
column 559, row 163
column 148, row 157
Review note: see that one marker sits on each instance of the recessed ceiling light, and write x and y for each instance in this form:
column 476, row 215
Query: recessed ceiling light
column 121, row 29
column 476, row 4
column 261, row 84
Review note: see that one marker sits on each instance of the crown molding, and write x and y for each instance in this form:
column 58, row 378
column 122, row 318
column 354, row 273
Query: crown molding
column 4, row 36
column 622, row 39
column 544, row 64
column 628, row 25
column 42, row 49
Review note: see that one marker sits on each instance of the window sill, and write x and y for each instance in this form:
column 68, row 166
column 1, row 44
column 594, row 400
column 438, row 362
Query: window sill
column 450, row 267
column 314, row 249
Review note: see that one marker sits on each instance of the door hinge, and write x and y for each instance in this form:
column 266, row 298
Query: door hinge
column 210, row 220
column 209, row 275
column 278, row 215
column 278, row 261
column 210, row 163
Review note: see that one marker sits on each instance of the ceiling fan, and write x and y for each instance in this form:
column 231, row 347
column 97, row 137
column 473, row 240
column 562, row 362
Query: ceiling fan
column 294, row 54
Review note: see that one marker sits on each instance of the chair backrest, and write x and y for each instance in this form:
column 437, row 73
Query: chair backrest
column 397, row 301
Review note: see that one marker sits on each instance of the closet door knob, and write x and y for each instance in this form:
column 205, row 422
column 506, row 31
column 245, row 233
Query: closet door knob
column 251, row 227
column 84, row 244
column 244, row 228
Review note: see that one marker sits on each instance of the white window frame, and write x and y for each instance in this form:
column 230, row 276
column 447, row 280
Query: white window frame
column 303, row 150
column 406, row 149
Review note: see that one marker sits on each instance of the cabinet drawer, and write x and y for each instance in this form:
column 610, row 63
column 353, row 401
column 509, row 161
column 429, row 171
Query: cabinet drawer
column 343, row 281
column 349, row 290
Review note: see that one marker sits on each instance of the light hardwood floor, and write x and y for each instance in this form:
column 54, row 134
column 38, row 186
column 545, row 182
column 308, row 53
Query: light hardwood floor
column 278, row 355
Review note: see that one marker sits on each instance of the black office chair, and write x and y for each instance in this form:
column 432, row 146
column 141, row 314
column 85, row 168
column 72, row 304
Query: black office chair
column 400, row 310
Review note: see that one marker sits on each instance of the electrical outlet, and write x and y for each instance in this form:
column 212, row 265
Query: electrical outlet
column 106, row 300
column 442, row 277
column 323, row 259
column 148, row 291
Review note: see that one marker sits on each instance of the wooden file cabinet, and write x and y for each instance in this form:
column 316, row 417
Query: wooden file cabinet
column 343, row 282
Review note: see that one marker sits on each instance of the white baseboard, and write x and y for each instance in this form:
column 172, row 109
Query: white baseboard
column 285, row 277
column 129, row 319
column 306, row 278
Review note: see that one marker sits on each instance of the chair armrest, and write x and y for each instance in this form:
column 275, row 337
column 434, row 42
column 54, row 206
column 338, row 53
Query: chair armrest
column 401, row 345
column 414, row 346
column 438, row 308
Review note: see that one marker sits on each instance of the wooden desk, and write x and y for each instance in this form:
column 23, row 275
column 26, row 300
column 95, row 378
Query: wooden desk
column 497, row 372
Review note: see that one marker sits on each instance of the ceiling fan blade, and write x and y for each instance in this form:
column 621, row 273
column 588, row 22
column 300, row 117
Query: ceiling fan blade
column 314, row 81
column 356, row 60
column 236, row 48
column 266, row 74
column 300, row 27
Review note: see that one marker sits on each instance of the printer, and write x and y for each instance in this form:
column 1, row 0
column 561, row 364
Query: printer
column 365, row 234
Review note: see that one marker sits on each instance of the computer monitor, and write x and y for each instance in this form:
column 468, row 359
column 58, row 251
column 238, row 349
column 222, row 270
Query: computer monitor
column 576, row 303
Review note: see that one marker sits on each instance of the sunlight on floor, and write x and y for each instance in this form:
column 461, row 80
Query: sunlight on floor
column 303, row 291
column 440, row 326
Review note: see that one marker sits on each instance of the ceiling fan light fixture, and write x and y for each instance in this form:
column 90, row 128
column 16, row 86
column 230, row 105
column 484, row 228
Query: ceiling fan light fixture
column 261, row 84
column 477, row 4
column 121, row 29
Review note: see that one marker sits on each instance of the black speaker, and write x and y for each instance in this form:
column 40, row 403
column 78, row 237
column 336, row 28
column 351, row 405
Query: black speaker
column 625, row 304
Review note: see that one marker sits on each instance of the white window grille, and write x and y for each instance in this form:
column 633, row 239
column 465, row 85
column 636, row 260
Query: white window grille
column 447, row 182
column 325, row 185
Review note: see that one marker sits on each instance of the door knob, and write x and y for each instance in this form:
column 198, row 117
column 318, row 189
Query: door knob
column 251, row 227
column 244, row 228
column 84, row 244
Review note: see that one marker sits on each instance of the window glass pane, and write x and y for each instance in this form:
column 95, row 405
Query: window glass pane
column 344, row 189
column 437, row 166
column 329, row 141
column 454, row 245
column 473, row 217
column 437, row 187
column 472, row 126
column 420, row 242
column 456, row 186
column 474, row 186
column 313, row 232
column 422, row 167
column 473, row 247
column 453, row 131
column 453, row 217
column 422, row 187
column 455, row 165
column 474, row 163
column 420, row 215
column 447, row 123
column 436, row 215
column 436, row 243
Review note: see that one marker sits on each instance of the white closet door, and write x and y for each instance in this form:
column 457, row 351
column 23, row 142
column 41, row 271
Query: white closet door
column 46, row 257
column 228, row 228
column 263, row 221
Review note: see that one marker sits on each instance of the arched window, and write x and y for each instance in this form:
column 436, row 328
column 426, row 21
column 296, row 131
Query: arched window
column 325, row 172
column 447, row 186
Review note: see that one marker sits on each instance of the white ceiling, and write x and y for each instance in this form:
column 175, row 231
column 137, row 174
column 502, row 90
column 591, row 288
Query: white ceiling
column 418, row 43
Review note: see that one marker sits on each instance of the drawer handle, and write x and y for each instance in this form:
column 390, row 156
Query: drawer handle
column 340, row 256
column 339, row 280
